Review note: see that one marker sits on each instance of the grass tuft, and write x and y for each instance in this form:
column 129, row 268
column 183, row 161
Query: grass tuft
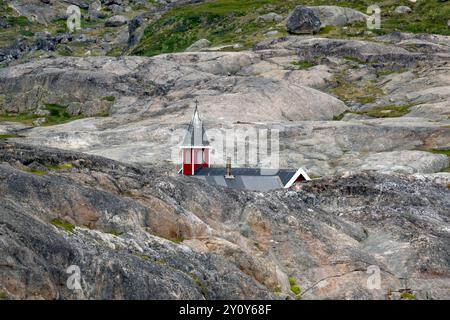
column 441, row 151
column 9, row 136
column 339, row 117
column 295, row 288
column 219, row 20
column 115, row 233
column 302, row 65
column 387, row 111
column 348, row 92
column 36, row 171
column 61, row 166
column 63, row 225
column 109, row 98
column 407, row 296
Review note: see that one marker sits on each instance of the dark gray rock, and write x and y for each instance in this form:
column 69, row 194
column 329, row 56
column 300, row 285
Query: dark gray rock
column 116, row 9
column 303, row 20
column 135, row 30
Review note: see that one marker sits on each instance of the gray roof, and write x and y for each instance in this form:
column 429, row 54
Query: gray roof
column 196, row 135
column 246, row 178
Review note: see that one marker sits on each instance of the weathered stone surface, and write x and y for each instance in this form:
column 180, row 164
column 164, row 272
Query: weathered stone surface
column 366, row 51
column 337, row 16
column 154, row 98
column 379, row 201
column 230, row 243
column 407, row 162
column 214, row 75
column 303, row 21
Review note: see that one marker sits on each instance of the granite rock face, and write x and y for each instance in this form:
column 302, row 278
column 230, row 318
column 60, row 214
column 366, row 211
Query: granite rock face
column 368, row 119
column 149, row 100
column 164, row 236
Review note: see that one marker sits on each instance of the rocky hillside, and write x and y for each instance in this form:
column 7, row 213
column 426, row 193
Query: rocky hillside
column 138, row 233
column 89, row 121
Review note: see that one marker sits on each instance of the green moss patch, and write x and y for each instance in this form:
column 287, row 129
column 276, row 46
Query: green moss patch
column 36, row 171
column 221, row 22
column 201, row 286
column 57, row 114
column 441, row 151
column 354, row 59
column 295, row 288
column 348, row 92
column 407, row 296
column 63, row 225
column 115, row 233
column 339, row 117
column 109, row 98
column 235, row 21
column 387, row 111
column 379, row 112
column 61, row 166
column 20, row 21
column 9, row 136
column 3, row 295
column 26, row 118
column 301, row 65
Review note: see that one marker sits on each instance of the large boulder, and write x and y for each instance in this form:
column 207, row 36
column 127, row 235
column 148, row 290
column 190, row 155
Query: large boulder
column 337, row 16
column 198, row 45
column 303, row 20
column 271, row 17
column 116, row 21
column 402, row 9
column 95, row 10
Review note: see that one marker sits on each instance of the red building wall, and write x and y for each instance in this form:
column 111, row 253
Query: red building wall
column 198, row 156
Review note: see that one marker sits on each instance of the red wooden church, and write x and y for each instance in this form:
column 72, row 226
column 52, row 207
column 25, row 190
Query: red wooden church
column 195, row 148
column 196, row 162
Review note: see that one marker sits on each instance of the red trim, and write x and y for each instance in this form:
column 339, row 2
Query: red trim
column 199, row 157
